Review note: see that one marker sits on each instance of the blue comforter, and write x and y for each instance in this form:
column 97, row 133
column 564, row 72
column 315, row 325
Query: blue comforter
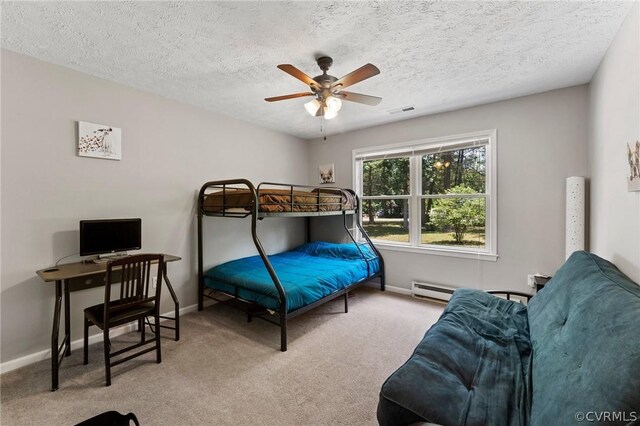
column 307, row 274
column 473, row 367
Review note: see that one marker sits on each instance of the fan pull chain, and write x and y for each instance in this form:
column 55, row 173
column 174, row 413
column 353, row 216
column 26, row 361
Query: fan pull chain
column 322, row 128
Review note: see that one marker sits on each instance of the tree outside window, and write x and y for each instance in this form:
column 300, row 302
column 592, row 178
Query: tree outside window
column 386, row 189
column 453, row 197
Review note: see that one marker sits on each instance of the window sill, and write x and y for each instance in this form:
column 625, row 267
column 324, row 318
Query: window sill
column 463, row 254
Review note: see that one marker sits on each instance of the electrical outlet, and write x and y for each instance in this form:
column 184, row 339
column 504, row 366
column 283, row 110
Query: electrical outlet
column 531, row 281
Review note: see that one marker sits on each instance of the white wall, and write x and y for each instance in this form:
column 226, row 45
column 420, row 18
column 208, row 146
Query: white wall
column 169, row 150
column 614, row 119
column 541, row 140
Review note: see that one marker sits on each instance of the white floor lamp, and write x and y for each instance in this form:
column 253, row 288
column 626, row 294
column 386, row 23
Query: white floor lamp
column 575, row 215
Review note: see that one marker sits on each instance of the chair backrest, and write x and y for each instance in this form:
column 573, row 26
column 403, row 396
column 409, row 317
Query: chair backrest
column 136, row 288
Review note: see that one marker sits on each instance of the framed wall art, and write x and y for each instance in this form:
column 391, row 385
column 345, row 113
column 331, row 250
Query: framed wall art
column 99, row 141
column 327, row 173
column 633, row 156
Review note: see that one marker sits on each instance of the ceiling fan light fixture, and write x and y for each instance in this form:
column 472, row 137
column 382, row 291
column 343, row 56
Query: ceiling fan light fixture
column 333, row 104
column 329, row 114
column 312, row 107
column 327, row 89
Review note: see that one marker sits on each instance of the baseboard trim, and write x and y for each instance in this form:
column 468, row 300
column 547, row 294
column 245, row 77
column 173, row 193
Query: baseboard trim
column 391, row 288
column 23, row 361
column 400, row 290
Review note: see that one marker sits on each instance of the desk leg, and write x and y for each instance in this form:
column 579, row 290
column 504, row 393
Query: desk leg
column 175, row 301
column 55, row 365
column 67, row 317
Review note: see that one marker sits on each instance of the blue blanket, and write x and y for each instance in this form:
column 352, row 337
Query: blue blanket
column 307, row 274
column 471, row 368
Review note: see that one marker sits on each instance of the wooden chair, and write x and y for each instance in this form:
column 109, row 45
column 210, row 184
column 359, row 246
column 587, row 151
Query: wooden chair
column 137, row 300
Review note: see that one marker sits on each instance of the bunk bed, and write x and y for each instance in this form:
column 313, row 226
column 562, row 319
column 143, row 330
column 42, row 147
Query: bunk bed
column 287, row 284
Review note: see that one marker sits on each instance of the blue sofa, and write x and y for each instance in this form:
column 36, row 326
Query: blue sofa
column 570, row 356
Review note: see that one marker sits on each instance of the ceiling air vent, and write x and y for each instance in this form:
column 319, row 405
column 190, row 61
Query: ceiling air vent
column 403, row 109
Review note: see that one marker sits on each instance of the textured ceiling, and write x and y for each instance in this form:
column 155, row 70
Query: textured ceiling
column 222, row 56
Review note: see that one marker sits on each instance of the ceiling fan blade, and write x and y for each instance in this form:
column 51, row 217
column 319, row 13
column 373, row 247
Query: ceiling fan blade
column 357, row 97
column 292, row 96
column 362, row 73
column 295, row 72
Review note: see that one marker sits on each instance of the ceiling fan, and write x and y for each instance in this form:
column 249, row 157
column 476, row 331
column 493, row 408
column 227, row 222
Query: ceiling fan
column 328, row 90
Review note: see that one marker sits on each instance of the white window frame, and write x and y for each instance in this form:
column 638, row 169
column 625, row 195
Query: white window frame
column 412, row 150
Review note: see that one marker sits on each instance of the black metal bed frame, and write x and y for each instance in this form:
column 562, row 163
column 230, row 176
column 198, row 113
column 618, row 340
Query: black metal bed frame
column 509, row 294
column 253, row 210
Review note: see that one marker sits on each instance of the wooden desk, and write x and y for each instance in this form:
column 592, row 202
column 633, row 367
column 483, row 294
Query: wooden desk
column 81, row 276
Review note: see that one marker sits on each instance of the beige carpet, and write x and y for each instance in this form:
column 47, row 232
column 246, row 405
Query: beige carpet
column 225, row 371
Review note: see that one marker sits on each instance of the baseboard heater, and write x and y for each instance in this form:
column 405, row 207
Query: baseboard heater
column 431, row 291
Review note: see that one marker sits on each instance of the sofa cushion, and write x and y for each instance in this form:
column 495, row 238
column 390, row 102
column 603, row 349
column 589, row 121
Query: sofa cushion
column 472, row 367
column 585, row 334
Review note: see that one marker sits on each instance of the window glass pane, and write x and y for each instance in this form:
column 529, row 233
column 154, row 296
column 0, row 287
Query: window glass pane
column 453, row 222
column 386, row 220
column 461, row 171
column 386, row 177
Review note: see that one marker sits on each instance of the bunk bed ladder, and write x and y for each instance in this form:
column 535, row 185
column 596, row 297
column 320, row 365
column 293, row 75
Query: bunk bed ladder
column 367, row 242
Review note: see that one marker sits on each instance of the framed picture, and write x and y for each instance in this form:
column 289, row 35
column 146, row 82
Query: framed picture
column 99, row 141
column 633, row 156
column 327, row 174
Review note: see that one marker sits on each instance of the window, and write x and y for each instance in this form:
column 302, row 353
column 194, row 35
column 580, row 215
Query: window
column 434, row 195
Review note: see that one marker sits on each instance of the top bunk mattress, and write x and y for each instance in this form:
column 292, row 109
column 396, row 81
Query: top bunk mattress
column 307, row 273
column 279, row 200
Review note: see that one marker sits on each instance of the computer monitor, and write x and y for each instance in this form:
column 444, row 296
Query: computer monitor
column 110, row 236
